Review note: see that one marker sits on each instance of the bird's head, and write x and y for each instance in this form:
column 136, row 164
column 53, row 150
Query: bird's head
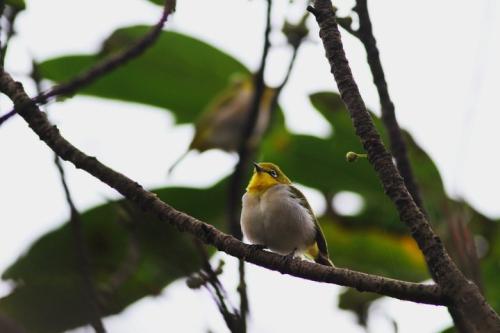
column 266, row 175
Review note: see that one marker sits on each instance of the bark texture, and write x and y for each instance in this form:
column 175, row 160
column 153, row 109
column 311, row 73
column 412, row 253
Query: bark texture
column 464, row 295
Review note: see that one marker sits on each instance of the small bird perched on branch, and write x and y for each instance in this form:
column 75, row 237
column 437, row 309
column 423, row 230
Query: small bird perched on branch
column 276, row 215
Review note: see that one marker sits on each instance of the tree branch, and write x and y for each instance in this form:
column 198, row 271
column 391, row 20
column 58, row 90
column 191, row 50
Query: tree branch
column 207, row 276
column 464, row 294
column 104, row 67
column 429, row 294
column 397, row 142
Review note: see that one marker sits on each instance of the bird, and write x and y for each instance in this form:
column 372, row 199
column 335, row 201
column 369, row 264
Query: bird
column 277, row 216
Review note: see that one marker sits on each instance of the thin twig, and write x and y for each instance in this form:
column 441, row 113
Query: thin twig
column 464, row 294
column 10, row 16
column 76, row 223
column 2, row 9
column 242, row 290
column 279, row 89
column 244, row 150
column 231, row 317
column 82, row 255
column 134, row 192
column 397, row 142
column 104, row 67
column 244, row 154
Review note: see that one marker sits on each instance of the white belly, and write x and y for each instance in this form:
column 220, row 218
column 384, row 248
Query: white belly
column 277, row 220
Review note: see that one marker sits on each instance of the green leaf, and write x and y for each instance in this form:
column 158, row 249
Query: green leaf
column 132, row 255
column 374, row 251
column 17, row 4
column 178, row 73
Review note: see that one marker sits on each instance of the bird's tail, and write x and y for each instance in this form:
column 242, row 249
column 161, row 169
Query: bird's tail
column 319, row 256
column 323, row 259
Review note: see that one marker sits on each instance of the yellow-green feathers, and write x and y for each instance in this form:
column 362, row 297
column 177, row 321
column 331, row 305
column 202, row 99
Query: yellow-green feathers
column 266, row 175
column 277, row 215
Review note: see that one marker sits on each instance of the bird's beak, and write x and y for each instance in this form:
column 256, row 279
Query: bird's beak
column 257, row 167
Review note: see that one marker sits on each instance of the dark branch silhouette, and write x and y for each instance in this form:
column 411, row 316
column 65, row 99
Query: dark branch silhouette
column 397, row 142
column 134, row 192
column 465, row 295
column 82, row 255
column 208, row 278
column 10, row 17
column 244, row 154
column 104, row 67
column 244, row 150
column 81, row 251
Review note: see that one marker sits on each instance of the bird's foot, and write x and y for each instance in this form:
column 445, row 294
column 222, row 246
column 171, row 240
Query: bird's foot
column 259, row 246
column 287, row 258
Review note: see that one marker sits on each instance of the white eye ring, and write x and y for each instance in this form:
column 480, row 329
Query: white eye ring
column 273, row 174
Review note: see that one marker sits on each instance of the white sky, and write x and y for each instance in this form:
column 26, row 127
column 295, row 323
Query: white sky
column 439, row 59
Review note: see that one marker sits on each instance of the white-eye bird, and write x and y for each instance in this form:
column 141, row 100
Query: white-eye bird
column 276, row 215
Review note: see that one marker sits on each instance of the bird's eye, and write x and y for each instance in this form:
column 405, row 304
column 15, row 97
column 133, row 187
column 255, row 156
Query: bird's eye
column 273, row 174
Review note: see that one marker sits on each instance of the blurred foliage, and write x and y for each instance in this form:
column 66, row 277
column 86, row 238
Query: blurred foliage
column 134, row 255
column 178, row 73
column 158, row 2
column 359, row 303
column 221, row 124
column 16, row 4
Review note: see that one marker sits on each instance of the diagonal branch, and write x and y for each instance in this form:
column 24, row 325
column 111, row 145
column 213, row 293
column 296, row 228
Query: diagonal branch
column 82, row 255
column 464, row 294
column 104, row 67
column 415, row 292
column 397, row 142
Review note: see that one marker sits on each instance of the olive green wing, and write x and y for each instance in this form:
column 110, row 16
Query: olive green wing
column 320, row 237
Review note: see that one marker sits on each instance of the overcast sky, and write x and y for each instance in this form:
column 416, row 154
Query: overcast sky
column 440, row 59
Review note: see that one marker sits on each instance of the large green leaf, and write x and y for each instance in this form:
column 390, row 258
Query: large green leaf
column 178, row 72
column 132, row 255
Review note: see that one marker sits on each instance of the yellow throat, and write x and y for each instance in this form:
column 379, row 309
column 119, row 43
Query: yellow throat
column 265, row 176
